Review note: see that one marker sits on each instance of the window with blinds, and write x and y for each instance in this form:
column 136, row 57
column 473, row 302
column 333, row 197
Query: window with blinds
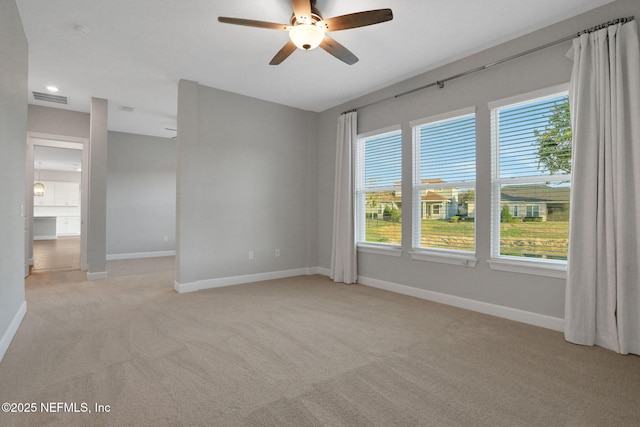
column 379, row 187
column 531, row 177
column 444, row 178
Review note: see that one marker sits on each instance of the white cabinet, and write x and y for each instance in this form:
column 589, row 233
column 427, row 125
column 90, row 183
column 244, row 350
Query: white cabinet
column 68, row 225
column 59, row 193
column 67, row 194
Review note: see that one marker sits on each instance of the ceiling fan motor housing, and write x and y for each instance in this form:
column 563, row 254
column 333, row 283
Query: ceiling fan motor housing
column 315, row 18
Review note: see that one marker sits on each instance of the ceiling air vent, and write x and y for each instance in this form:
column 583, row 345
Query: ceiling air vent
column 39, row 96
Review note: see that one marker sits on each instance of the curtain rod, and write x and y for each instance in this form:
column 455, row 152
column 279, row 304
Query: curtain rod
column 440, row 83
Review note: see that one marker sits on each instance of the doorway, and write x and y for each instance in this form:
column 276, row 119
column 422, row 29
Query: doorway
column 56, row 232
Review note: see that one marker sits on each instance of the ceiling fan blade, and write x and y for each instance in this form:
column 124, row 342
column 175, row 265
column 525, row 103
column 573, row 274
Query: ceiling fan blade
column 339, row 51
column 302, row 8
column 283, row 53
column 359, row 19
column 252, row 23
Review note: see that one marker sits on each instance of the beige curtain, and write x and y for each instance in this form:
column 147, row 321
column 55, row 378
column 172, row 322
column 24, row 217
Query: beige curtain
column 343, row 254
column 603, row 282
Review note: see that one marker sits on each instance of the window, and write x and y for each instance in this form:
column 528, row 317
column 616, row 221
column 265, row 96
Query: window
column 531, row 168
column 444, row 182
column 533, row 210
column 378, row 187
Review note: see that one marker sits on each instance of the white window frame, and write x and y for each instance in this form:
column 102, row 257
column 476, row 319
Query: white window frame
column 538, row 267
column 448, row 256
column 360, row 191
column 533, row 209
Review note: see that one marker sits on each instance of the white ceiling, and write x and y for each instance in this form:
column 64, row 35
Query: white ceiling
column 136, row 51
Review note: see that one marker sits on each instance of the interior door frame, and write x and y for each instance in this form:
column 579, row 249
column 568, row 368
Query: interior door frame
column 58, row 141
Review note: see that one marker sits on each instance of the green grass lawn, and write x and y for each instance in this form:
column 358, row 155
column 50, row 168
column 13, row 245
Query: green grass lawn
column 380, row 231
column 531, row 239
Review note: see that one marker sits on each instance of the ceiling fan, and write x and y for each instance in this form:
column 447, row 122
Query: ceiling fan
column 307, row 29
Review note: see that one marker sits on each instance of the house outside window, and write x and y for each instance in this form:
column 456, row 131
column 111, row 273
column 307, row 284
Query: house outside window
column 444, row 176
column 531, row 169
column 378, row 204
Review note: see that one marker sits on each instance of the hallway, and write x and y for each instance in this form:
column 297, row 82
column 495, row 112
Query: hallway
column 54, row 255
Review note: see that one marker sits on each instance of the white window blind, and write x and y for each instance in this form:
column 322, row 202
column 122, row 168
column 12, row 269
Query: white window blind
column 444, row 182
column 531, row 178
column 379, row 187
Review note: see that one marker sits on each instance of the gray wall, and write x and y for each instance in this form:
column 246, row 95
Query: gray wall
column 58, row 122
column 141, row 194
column 14, row 53
column 97, row 209
column 536, row 71
column 246, row 180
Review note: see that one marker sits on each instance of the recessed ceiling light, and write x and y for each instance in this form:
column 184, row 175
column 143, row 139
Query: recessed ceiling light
column 52, row 89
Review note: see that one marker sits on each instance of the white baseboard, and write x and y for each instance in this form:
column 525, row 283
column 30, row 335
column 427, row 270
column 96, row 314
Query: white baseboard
column 238, row 280
column 136, row 255
column 45, row 237
column 535, row 319
column 323, row 271
column 7, row 337
column 100, row 275
column 541, row 320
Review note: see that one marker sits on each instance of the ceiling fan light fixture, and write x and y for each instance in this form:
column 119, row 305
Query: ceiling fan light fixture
column 307, row 36
column 307, row 29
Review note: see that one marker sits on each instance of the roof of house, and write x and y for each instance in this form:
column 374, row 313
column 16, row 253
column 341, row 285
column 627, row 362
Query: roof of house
column 539, row 193
column 425, row 181
column 529, row 193
column 432, row 196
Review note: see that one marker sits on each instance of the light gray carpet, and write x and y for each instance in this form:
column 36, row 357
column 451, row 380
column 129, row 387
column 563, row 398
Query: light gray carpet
column 296, row 352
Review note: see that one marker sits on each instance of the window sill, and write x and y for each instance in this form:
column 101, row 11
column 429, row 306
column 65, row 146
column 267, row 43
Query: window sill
column 388, row 250
column 536, row 268
column 446, row 258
